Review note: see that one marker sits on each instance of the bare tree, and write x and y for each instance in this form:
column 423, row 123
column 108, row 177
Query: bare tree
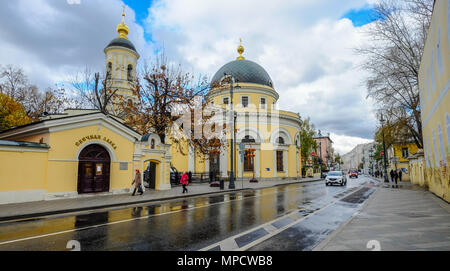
column 393, row 60
column 167, row 94
column 96, row 92
column 15, row 84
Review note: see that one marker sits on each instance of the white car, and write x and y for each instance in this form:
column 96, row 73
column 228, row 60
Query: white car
column 335, row 177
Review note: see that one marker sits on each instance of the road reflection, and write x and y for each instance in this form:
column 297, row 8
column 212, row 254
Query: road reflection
column 187, row 224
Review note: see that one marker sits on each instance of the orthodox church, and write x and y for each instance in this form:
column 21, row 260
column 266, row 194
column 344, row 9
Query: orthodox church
column 84, row 152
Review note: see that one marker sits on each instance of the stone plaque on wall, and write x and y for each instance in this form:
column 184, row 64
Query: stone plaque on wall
column 123, row 166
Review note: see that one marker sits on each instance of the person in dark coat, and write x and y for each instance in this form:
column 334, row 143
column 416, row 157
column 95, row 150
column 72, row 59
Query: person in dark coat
column 395, row 177
column 392, row 173
column 400, row 175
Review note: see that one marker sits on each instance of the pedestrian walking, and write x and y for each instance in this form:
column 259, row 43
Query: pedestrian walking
column 184, row 182
column 400, row 173
column 137, row 183
column 395, row 178
column 392, row 173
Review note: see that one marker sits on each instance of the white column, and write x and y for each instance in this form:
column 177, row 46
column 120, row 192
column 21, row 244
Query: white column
column 207, row 163
column 286, row 162
column 191, row 159
column 240, row 165
column 223, row 161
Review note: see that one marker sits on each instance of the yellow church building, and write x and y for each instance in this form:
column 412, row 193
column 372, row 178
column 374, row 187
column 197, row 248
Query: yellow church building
column 85, row 152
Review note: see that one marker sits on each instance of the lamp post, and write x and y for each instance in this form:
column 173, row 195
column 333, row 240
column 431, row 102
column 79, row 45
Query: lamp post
column 234, row 116
column 386, row 180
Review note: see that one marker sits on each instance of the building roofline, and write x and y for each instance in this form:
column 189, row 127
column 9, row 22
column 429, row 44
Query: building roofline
column 42, row 122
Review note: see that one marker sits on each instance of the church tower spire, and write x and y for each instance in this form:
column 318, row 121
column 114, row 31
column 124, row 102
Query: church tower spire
column 240, row 51
column 122, row 28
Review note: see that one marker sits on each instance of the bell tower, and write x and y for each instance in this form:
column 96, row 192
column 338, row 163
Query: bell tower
column 121, row 62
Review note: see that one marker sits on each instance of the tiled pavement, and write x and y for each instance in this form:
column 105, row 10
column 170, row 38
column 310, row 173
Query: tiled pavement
column 10, row 211
column 406, row 218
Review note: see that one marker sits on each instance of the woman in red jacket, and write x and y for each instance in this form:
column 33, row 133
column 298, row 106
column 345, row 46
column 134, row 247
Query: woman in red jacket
column 184, row 181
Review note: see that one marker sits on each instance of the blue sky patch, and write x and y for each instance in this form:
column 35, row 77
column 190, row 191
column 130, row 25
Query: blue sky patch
column 360, row 17
column 141, row 9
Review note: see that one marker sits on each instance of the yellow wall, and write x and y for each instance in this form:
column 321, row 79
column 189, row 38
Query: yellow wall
column 63, row 164
column 22, row 169
column 434, row 83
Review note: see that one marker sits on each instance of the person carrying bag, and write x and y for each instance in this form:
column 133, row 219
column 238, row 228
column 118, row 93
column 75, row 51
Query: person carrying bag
column 137, row 183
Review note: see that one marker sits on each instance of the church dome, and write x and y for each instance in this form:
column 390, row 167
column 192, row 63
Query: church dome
column 244, row 71
column 120, row 42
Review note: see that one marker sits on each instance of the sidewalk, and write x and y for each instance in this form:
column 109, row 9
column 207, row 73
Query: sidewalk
column 401, row 219
column 42, row 208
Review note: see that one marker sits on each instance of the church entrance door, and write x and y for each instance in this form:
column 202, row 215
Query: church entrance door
column 93, row 170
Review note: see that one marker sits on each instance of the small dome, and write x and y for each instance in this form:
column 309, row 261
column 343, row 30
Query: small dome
column 146, row 137
column 122, row 43
column 244, row 71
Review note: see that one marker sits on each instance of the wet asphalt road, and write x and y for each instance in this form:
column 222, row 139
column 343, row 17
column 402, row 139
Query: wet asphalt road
column 194, row 223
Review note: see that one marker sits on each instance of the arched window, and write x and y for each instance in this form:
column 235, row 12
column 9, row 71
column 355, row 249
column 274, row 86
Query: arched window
column 280, row 140
column 129, row 74
column 109, row 70
column 248, row 139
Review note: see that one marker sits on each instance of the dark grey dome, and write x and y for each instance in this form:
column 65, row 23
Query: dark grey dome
column 244, row 71
column 122, row 43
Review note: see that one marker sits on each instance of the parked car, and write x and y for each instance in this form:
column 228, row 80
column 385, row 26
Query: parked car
column 353, row 174
column 335, row 177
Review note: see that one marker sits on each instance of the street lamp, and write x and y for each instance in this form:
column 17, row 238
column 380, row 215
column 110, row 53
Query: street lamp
column 382, row 120
column 234, row 116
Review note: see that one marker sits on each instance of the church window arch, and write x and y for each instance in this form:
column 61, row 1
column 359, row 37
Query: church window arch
column 130, row 72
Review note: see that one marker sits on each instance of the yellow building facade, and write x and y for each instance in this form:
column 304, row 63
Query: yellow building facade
column 85, row 152
column 434, row 84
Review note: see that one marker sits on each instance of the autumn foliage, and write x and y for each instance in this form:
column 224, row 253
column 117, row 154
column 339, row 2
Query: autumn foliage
column 12, row 113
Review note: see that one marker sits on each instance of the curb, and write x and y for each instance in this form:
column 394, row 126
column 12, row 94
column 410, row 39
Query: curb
column 67, row 211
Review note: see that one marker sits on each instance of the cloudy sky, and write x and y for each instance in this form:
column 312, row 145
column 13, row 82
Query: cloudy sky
column 305, row 45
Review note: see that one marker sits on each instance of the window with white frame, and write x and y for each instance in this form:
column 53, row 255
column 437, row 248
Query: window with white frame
column 262, row 103
column 244, row 101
